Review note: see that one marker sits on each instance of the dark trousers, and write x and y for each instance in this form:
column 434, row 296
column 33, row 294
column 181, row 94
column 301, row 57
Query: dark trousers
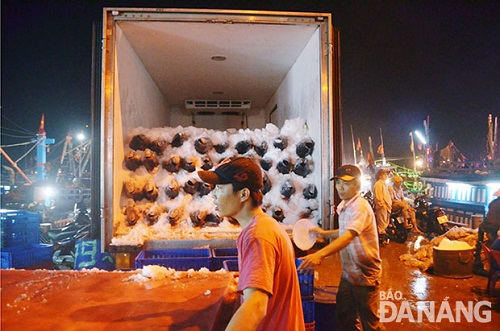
column 356, row 306
column 491, row 231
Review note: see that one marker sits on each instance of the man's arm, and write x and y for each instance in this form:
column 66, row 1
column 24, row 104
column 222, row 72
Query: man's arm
column 392, row 193
column 251, row 312
column 338, row 244
column 331, row 234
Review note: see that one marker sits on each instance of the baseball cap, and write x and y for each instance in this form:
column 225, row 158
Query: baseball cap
column 397, row 179
column 242, row 172
column 347, row 173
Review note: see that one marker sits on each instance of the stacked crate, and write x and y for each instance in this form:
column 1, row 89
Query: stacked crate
column 230, row 265
column 183, row 259
column 20, row 234
column 306, row 282
column 179, row 259
column 219, row 255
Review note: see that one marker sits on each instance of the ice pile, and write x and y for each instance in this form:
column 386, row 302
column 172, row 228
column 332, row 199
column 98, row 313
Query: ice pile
column 453, row 245
column 163, row 197
column 156, row 272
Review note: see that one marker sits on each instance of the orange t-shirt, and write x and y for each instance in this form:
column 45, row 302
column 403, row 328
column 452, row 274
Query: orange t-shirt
column 267, row 262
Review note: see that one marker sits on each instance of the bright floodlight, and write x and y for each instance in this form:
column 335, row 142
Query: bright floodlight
column 421, row 137
column 80, row 136
column 366, row 182
column 48, row 192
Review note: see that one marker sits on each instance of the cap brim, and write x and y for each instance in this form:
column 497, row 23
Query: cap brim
column 345, row 178
column 210, row 177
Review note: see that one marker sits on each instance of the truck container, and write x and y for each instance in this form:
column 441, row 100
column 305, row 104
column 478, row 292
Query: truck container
column 215, row 69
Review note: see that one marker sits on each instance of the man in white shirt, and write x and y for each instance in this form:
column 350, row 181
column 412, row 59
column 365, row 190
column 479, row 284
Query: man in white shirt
column 357, row 242
column 399, row 203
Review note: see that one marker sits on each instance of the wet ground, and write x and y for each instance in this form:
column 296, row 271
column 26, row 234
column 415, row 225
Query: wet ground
column 415, row 299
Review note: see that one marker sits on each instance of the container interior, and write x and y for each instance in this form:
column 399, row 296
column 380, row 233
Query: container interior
column 178, row 72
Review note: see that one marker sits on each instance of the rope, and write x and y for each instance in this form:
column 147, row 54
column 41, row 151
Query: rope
column 20, row 144
column 23, row 129
column 22, row 157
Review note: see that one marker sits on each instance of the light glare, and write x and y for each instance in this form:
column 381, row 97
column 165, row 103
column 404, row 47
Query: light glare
column 421, row 137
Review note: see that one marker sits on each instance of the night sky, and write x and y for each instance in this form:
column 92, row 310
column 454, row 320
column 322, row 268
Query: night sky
column 401, row 62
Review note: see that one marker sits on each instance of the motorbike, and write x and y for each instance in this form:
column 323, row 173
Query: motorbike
column 64, row 240
column 396, row 229
column 430, row 219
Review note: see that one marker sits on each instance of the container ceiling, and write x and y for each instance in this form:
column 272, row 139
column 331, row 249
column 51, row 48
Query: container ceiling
column 178, row 56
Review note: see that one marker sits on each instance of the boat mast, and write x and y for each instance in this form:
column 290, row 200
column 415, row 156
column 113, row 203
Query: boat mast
column 41, row 150
column 353, row 146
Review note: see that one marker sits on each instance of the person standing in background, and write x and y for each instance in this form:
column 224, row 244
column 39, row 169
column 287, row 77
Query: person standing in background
column 490, row 227
column 383, row 204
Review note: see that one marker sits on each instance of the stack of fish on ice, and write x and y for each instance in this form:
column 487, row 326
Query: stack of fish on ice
column 163, row 197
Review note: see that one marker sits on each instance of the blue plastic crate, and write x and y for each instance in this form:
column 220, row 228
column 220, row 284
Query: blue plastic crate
column 42, row 253
column 20, row 224
column 178, row 259
column 306, row 281
column 17, row 257
column 6, row 260
column 19, row 219
column 308, row 309
column 20, row 238
column 19, row 228
column 20, row 257
column 230, row 265
column 219, row 255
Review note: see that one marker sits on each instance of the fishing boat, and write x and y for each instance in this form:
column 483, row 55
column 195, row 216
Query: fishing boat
column 464, row 188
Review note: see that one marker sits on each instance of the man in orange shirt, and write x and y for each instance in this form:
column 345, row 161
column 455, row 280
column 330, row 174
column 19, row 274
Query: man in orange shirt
column 267, row 274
